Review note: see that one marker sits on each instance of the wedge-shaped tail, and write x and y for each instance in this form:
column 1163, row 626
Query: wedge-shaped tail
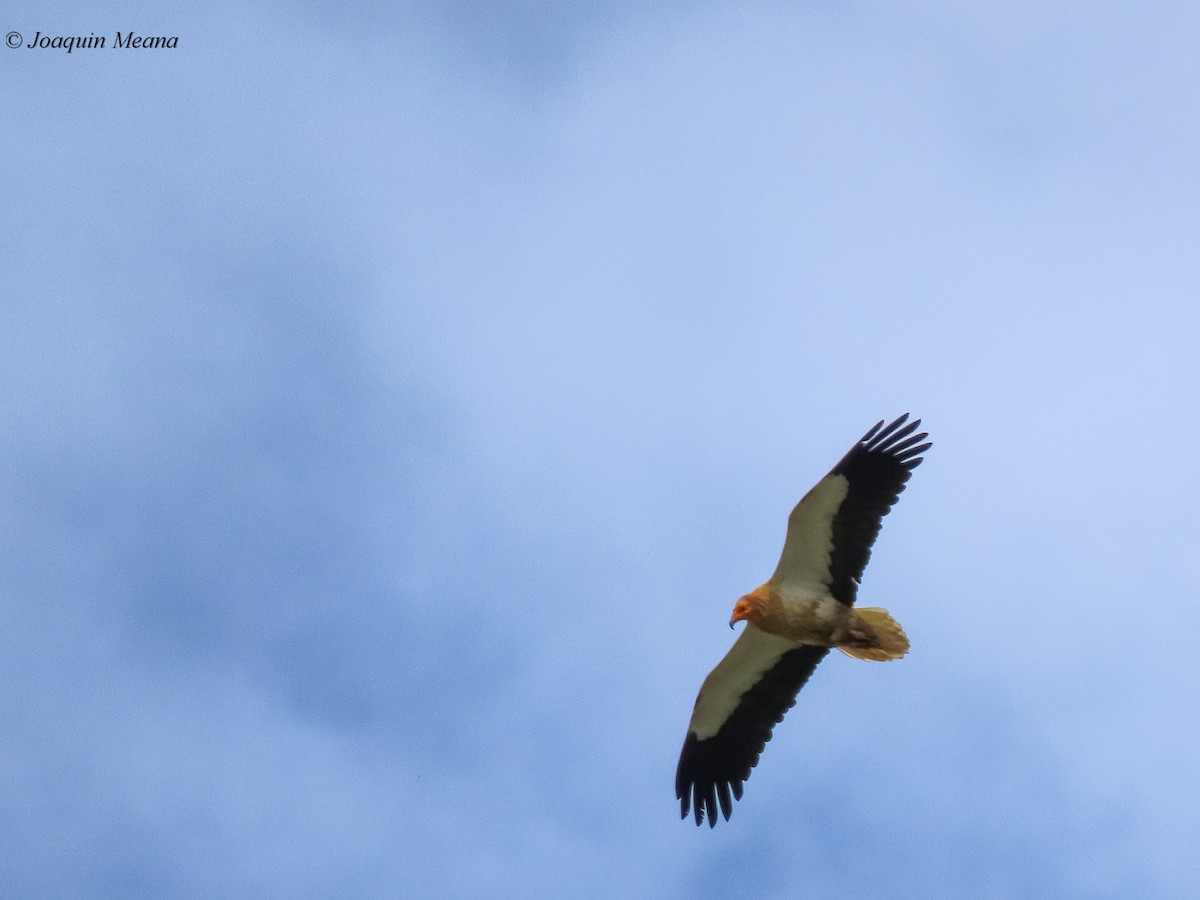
column 888, row 639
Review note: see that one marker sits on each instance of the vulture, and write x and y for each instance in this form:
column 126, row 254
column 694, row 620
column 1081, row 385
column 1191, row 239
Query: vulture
column 794, row 619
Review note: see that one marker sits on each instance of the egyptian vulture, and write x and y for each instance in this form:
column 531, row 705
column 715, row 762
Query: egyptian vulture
column 793, row 620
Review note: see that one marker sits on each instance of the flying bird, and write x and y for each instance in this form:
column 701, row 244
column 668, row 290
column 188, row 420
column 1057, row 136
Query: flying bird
column 794, row 619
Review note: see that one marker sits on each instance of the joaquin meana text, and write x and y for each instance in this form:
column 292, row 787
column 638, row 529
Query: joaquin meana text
column 124, row 40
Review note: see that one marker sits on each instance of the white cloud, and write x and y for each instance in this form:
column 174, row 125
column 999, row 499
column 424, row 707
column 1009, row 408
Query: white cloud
column 394, row 432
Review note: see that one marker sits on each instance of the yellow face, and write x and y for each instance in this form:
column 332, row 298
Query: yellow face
column 753, row 607
column 742, row 611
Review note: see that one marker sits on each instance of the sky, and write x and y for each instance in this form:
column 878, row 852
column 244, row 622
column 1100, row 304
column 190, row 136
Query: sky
column 396, row 400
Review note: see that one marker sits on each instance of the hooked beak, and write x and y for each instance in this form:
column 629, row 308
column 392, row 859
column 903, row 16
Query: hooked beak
column 741, row 612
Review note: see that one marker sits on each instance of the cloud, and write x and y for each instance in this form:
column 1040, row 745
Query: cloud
column 395, row 418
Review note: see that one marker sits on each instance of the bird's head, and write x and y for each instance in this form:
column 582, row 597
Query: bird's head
column 752, row 607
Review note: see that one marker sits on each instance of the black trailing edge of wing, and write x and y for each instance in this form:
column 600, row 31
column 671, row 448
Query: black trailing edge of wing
column 877, row 468
column 712, row 770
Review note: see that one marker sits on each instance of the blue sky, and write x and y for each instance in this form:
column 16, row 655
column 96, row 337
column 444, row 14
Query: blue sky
column 396, row 401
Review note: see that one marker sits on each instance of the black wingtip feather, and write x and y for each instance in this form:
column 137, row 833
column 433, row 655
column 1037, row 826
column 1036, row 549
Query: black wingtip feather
column 902, row 449
column 726, row 800
column 713, row 769
column 877, row 468
column 886, row 442
column 870, row 434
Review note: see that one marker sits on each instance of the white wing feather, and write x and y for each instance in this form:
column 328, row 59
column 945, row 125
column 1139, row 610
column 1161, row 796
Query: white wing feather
column 806, row 553
column 752, row 655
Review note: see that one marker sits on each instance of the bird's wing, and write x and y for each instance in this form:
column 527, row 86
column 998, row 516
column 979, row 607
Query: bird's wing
column 831, row 530
column 740, row 702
